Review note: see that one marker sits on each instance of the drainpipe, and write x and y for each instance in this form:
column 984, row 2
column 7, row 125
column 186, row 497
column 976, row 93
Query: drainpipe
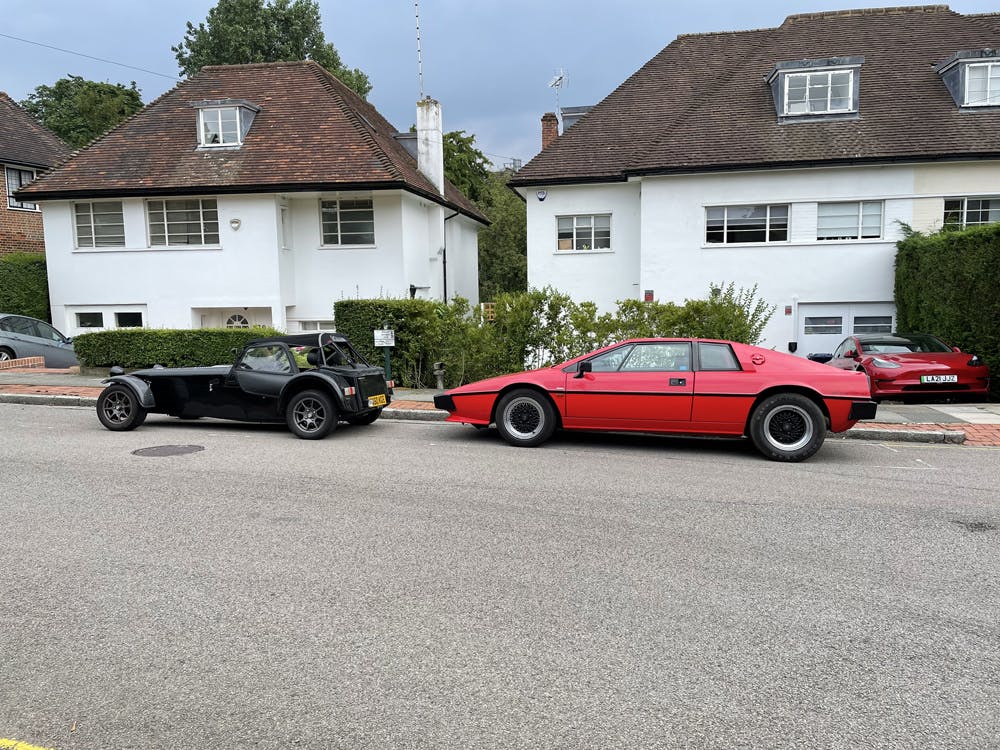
column 444, row 256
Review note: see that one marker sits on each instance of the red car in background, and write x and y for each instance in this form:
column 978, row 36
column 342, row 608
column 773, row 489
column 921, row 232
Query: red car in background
column 911, row 365
column 783, row 403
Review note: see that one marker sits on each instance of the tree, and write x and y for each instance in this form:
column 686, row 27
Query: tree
column 503, row 246
column 465, row 166
column 78, row 110
column 255, row 31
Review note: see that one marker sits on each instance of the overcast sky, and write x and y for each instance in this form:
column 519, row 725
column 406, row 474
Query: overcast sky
column 487, row 61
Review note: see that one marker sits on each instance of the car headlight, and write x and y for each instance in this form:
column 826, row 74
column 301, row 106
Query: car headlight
column 975, row 361
column 885, row 364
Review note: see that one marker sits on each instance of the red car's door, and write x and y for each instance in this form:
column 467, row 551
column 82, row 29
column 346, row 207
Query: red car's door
column 644, row 386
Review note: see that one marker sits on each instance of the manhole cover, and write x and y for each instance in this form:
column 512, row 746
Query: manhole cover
column 168, row 450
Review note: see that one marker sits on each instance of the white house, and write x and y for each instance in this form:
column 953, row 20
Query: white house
column 253, row 194
column 789, row 158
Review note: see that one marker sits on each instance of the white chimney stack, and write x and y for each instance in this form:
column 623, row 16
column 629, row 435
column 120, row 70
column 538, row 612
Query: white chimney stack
column 430, row 142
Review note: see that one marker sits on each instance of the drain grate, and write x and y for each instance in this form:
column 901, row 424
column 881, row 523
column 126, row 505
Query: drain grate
column 168, row 450
column 976, row 525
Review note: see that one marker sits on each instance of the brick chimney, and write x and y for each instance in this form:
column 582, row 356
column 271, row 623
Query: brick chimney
column 550, row 129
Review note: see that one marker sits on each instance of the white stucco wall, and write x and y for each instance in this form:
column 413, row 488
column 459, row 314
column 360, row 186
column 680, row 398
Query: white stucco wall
column 272, row 272
column 603, row 276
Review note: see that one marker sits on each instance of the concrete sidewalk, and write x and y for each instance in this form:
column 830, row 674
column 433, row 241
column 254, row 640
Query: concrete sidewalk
column 971, row 424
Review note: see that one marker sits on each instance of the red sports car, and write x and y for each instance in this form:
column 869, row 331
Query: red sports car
column 783, row 403
column 909, row 365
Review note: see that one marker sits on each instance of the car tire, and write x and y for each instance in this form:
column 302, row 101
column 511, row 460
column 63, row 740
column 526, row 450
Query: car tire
column 787, row 427
column 311, row 415
column 119, row 409
column 525, row 418
column 366, row 418
column 6, row 354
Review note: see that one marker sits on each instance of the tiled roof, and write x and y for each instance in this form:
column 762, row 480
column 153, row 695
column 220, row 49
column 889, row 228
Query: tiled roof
column 703, row 102
column 24, row 141
column 311, row 133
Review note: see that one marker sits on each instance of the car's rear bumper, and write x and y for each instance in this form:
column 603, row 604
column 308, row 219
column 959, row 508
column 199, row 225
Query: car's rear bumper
column 862, row 410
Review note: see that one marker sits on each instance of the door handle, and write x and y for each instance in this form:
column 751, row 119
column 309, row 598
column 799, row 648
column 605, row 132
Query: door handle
column 212, row 383
column 678, row 381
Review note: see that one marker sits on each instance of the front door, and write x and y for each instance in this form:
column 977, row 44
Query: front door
column 261, row 374
column 645, row 386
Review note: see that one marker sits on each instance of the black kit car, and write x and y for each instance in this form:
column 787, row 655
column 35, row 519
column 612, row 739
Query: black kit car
column 309, row 381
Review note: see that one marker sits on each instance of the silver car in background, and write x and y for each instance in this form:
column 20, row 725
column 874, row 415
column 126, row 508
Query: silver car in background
column 21, row 336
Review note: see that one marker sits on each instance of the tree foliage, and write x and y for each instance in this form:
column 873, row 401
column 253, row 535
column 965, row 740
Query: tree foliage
column 503, row 246
column 465, row 166
column 256, row 31
column 78, row 110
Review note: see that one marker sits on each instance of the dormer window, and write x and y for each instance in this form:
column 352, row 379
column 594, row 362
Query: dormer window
column 822, row 93
column 220, row 127
column 982, row 84
column 972, row 78
column 816, row 89
column 223, row 123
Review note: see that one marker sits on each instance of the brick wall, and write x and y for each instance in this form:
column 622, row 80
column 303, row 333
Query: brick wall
column 20, row 230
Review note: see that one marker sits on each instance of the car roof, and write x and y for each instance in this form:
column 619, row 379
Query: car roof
column 301, row 339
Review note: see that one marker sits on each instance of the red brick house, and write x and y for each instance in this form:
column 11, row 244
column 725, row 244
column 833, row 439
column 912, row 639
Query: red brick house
column 26, row 149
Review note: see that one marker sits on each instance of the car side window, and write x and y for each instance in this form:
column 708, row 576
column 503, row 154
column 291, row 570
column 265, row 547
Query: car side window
column 610, row 361
column 665, row 357
column 266, row 359
column 717, row 357
column 841, row 349
column 46, row 331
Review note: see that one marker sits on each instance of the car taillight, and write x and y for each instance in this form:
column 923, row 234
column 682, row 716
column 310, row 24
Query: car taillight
column 350, row 390
column 390, row 384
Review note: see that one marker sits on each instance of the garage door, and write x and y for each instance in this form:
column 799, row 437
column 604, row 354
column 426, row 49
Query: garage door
column 823, row 326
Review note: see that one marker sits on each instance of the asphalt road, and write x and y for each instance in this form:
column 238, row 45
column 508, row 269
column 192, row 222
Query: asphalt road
column 422, row 585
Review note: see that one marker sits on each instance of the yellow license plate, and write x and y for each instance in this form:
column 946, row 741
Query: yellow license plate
column 377, row 400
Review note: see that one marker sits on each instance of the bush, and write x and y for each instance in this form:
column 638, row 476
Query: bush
column 24, row 286
column 533, row 329
column 136, row 348
column 946, row 285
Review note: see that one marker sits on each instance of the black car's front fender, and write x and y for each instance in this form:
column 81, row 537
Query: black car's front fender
column 138, row 386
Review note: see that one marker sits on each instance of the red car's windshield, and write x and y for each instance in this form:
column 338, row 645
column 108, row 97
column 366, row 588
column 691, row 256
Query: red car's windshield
column 904, row 345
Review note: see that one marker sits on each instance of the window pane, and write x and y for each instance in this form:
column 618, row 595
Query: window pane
column 873, row 324
column 90, row 320
column 128, row 319
column 717, row 357
column 828, row 324
column 673, row 357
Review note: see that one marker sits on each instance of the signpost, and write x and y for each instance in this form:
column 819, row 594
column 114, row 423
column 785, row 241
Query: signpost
column 385, row 339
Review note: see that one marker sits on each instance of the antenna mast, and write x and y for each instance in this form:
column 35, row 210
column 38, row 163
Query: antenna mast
column 420, row 62
column 557, row 82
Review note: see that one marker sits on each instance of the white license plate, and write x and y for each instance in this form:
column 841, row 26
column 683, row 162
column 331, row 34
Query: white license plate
column 939, row 378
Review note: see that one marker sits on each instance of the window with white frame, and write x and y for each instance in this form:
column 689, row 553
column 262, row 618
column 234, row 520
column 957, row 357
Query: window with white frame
column 586, row 232
column 849, row 221
column 819, row 92
column 348, row 221
column 99, row 224
column 873, row 324
column 970, row 212
column 731, row 225
column 16, row 179
column 190, row 221
column 826, row 324
column 982, row 84
column 219, row 126
column 316, row 325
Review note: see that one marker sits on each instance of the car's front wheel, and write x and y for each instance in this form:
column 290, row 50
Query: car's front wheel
column 787, row 427
column 119, row 409
column 311, row 415
column 366, row 418
column 525, row 418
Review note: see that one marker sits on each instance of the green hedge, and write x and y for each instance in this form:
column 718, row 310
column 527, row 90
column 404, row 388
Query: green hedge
column 24, row 286
column 533, row 329
column 946, row 284
column 134, row 348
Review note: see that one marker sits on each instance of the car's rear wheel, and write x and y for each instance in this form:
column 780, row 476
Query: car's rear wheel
column 119, row 409
column 366, row 418
column 311, row 415
column 6, row 354
column 525, row 418
column 787, row 427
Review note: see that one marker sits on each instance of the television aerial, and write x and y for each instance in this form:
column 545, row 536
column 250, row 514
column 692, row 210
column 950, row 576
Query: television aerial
column 557, row 82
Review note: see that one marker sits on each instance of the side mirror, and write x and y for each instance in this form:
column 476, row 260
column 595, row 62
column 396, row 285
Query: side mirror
column 956, row 349
column 584, row 367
